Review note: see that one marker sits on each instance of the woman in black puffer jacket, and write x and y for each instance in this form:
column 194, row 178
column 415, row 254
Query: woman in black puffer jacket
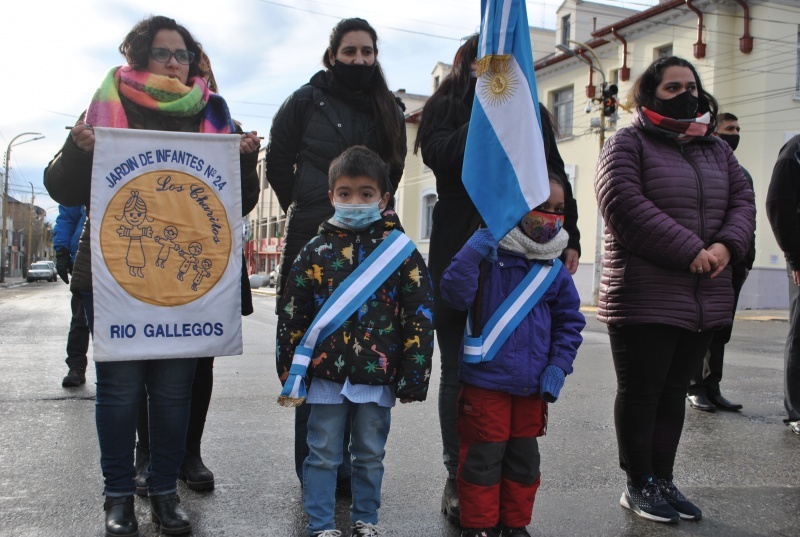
column 344, row 105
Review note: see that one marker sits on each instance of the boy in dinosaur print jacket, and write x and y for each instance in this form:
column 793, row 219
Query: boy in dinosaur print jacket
column 380, row 354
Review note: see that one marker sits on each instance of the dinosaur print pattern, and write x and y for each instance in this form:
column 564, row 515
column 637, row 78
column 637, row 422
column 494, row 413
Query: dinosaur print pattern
column 387, row 340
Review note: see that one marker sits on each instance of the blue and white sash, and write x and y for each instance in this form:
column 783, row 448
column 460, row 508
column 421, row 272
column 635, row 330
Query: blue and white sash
column 509, row 315
column 345, row 300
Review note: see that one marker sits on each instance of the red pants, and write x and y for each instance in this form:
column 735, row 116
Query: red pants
column 498, row 464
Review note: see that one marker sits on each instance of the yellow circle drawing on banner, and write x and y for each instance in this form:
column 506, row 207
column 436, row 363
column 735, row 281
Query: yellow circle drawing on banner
column 165, row 238
column 499, row 86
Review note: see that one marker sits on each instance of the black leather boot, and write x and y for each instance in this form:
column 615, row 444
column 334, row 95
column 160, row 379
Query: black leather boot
column 167, row 513
column 195, row 473
column 142, row 462
column 450, row 506
column 120, row 517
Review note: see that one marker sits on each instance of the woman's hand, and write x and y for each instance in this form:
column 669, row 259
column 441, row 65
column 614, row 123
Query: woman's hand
column 250, row 143
column 571, row 257
column 704, row 262
column 83, row 137
column 723, row 255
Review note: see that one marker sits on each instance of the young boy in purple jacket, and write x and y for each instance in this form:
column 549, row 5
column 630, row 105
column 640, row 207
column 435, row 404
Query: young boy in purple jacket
column 502, row 407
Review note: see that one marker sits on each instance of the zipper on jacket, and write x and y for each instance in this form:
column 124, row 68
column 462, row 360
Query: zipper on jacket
column 702, row 220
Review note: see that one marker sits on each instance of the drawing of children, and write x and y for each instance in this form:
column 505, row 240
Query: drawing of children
column 167, row 243
column 189, row 258
column 135, row 214
column 202, row 272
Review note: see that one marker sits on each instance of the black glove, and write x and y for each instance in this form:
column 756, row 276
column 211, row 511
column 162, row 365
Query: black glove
column 63, row 264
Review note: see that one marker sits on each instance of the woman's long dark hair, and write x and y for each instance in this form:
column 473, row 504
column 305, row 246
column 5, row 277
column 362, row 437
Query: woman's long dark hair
column 643, row 91
column 384, row 105
column 136, row 45
column 452, row 100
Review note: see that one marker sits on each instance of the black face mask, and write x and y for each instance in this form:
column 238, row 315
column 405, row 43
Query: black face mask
column 354, row 77
column 683, row 106
column 732, row 139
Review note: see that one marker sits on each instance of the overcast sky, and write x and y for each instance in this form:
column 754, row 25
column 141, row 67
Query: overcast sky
column 54, row 53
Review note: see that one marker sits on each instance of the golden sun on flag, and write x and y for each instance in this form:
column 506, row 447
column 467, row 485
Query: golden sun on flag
column 498, row 87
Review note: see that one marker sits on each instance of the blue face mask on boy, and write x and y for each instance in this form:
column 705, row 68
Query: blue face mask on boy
column 356, row 215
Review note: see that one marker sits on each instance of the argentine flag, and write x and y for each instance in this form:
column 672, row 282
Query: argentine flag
column 505, row 172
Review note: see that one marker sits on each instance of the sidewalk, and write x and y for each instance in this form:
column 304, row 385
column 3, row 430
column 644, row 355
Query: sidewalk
column 12, row 281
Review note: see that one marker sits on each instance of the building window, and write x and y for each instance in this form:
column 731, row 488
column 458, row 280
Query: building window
column 428, row 201
column 562, row 111
column 435, row 82
column 565, row 28
column 663, row 52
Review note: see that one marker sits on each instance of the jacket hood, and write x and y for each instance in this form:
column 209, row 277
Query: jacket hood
column 320, row 80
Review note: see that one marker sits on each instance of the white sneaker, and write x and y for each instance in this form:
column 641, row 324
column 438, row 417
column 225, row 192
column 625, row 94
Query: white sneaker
column 366, row 530
column 328, row 533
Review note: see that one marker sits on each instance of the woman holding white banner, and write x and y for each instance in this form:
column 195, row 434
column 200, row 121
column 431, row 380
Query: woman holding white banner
column 347, row 104
column 162, row 88
column 442, row 139
column 678, row 211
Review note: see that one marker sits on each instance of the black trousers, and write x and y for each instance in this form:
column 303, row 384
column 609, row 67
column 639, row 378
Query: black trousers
column 653, row 363
column 78, row 338
column 791, row 387
column 708, row 376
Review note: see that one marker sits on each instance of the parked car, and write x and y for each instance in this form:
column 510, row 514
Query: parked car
column 41, row 270
column 273, row 278
column 52, row 267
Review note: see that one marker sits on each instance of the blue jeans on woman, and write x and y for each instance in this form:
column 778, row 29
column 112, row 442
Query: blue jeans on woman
column 369, row 429
column 119, row 388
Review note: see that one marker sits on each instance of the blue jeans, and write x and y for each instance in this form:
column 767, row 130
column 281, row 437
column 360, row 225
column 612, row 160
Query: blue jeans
column 119, row 388
column 369, row 428
column 301, row 414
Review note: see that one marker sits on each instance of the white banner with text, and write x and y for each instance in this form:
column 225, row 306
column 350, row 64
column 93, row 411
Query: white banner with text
column 166, row 245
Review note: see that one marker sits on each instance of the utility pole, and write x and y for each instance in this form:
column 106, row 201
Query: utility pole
column 4, row 237
column 29, row 246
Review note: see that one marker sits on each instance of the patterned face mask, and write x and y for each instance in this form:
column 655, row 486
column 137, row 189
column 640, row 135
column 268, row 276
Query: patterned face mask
column 541, row 226
column 357, row 215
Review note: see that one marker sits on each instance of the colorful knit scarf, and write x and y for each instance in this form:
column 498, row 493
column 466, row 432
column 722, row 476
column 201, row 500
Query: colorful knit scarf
column 156, row 92
column 676, row 129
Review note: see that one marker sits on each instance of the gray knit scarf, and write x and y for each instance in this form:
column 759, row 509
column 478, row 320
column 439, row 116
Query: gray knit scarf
column 517, row 241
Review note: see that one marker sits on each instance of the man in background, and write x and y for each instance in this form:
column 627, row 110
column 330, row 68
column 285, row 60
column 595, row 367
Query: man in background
column 783, row 211
column 704, row 391
column 69, row 224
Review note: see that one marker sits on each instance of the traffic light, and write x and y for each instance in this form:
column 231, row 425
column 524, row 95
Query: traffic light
column 610, row 100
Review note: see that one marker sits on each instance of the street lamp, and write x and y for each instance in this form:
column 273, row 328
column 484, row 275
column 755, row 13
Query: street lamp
column 3, row 241
column 598, row 249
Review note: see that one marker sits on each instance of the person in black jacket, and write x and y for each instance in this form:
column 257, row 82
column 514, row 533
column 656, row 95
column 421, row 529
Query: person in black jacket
column 344, row 105
column 704, row 392
column 783, row 211
column 442, row 137
column 165, row 50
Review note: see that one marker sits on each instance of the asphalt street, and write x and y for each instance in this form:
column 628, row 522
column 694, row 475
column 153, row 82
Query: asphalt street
column 741, row 468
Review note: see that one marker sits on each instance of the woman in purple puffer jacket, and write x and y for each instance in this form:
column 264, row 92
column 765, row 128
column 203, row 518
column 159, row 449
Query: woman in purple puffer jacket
column 677, row 211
